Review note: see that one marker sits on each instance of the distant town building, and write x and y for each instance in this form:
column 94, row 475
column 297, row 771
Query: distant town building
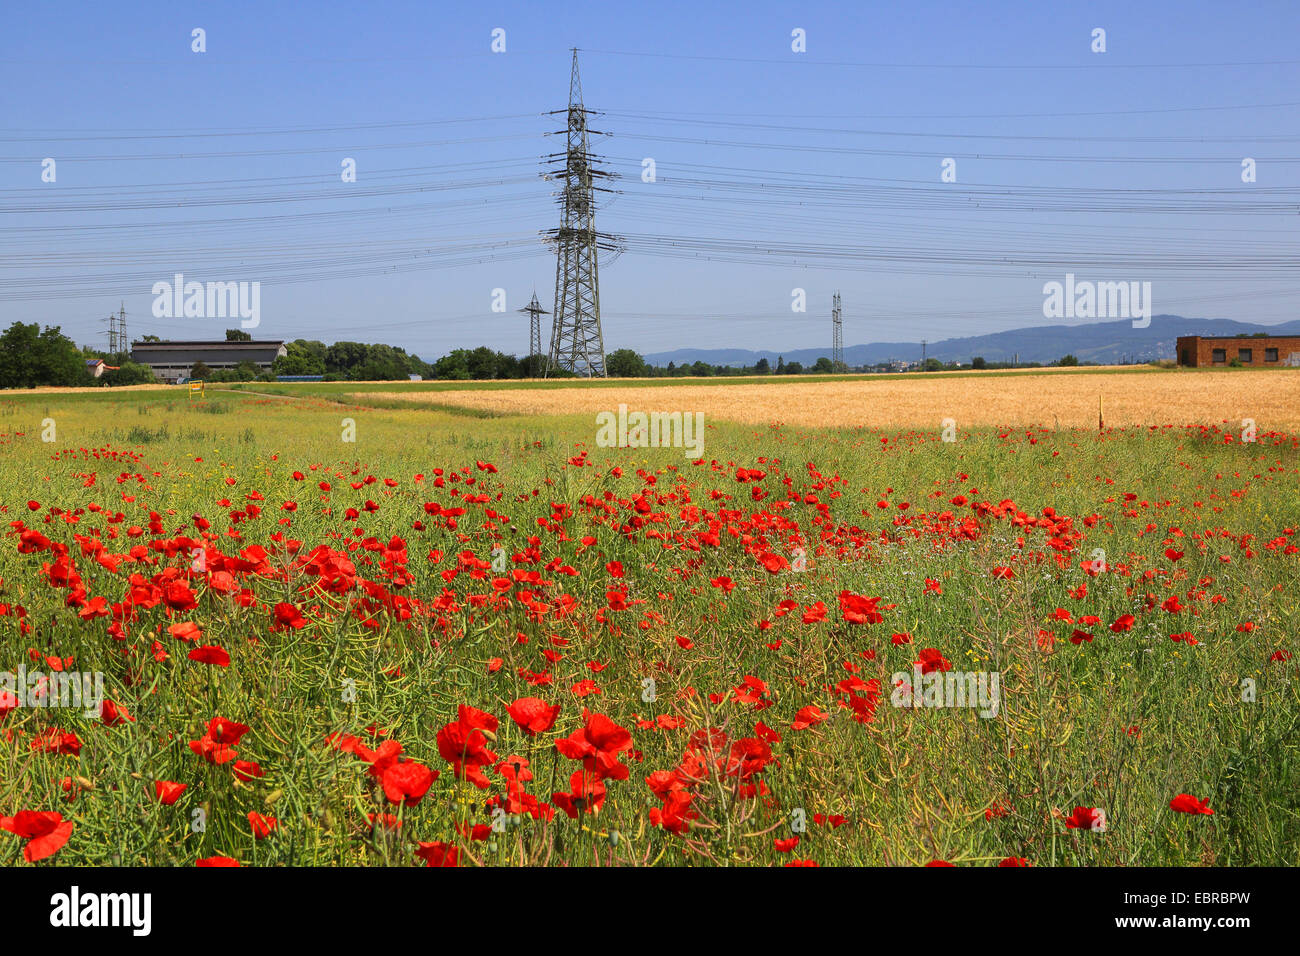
column 1200, row 351
column 172, row 361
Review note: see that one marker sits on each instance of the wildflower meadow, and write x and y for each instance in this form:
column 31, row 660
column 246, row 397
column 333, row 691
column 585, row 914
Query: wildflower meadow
column 304, row 629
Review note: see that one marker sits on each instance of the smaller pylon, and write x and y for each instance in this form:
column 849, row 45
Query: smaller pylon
column 837, row 345
column 535, row 353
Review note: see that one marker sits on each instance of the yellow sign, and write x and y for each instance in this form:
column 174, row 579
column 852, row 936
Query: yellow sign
column 196, row 387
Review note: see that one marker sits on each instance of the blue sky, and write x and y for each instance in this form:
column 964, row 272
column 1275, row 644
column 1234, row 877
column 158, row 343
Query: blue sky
column 775, row 170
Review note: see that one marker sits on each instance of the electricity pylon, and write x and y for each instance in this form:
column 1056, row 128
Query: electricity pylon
column 577, row 343
column 535, row 313
column 117, row 340
column 837, row 343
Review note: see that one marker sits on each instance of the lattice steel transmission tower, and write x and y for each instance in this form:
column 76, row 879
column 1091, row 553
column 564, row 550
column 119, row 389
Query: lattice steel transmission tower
column 535, row 313
column 837, row 343
column 577, row 343
column 117, row 340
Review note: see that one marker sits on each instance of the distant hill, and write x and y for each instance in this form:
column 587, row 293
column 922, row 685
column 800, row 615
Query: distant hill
column 1106, row 343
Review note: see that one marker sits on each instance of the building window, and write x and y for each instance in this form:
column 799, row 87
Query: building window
column 1270, row 355
column 1219, row 356
column 1245, row 356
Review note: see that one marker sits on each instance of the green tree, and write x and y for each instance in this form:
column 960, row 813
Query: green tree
column 534, row 366
column 238, row 335
column 625, row 363
column 201, row 371
column 299, row 360
column 978, row 362
column 129, row 373
column 762, row 367
column 483, row 363
column 17, row 345
column 454, row 365
column 823, row 366
column 1068, row 360
column 344, row 357
column 31, row 357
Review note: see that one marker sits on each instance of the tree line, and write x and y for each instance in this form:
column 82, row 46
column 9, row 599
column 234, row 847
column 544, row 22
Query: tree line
column 31, row 357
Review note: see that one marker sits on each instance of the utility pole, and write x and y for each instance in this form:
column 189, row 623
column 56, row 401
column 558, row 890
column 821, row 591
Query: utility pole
column 577, row 342
column 535, row 313
column 837, row 343
column 923, row 343
column 124, row 344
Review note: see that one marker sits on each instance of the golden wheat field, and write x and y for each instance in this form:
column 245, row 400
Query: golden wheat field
column 1270, row 398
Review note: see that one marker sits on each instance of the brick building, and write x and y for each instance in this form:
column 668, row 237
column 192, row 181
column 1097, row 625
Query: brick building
column 1201, row 351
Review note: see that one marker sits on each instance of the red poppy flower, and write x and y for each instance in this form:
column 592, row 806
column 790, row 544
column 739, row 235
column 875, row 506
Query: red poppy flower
column 932, row 660
column 246, row 770
column 438, row 854
column 217, row 746
column 463, row 744
column 533, row 714
column 1086, row 818
column 808, row 717
column 55, row 741
column 185, row 631
column 407, row 782
column 210, row 654
column 1123, row 623
column 1186, row 803
column 288, row 615
column 45, row 832
column 262, row 826
column 859, row 609
column 598, row 745
column 168, row 792
column 586, row 794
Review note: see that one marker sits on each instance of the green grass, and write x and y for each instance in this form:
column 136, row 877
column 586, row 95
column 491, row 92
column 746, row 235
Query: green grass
column 1124, row 723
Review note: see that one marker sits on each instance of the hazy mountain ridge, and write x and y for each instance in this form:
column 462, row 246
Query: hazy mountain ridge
column 1106, row 343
